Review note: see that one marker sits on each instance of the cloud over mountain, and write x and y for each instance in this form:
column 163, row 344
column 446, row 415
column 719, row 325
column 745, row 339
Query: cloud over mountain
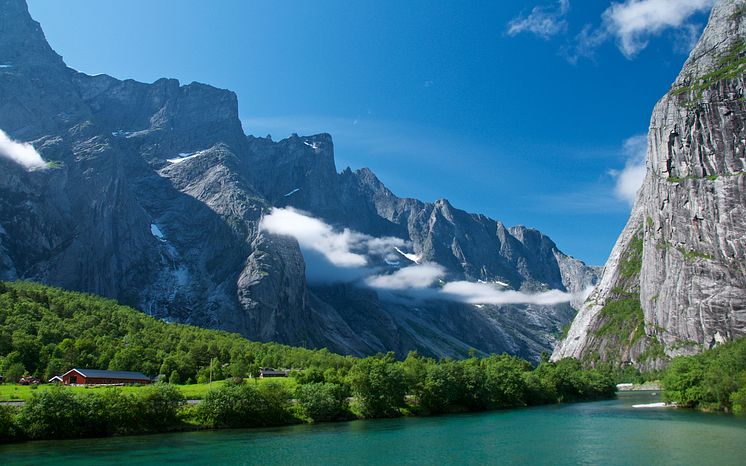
column 21, row 153
column 349, row 256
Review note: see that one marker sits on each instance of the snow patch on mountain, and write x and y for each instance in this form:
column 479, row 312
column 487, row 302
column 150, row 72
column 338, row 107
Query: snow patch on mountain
column 412, row 257
column 155, row 231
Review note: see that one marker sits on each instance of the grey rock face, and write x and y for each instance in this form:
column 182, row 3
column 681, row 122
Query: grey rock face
column 156, row 197
column 690, row 214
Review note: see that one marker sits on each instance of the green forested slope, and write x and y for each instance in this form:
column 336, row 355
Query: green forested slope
column 46, row 331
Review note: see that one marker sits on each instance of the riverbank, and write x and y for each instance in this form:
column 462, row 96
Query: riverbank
column 376, row 387
column 607, row 432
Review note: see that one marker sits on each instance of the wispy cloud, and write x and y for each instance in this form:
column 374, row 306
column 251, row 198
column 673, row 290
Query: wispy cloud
column 349, row 256
column 630, row 178
column 483, row 293
column 614, row 191
column 543, row 21
column 635, row 21
column 417, row 282
column 415, row 276
column 632, row 23
column 345, row 248
column 21, row 153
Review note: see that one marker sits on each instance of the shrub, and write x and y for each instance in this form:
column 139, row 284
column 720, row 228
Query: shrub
column 9, row 429
column 54, row 413
column 174, row 378
column 504, row 382
column 738, row 400
column 159, row 406
column 321, row 402
column 378, row 384
column 442, row 387
column 244, row 406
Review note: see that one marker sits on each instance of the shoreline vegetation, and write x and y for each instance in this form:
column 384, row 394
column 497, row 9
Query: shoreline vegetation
column 375, row 387
column 45, row 331
column 714, row 380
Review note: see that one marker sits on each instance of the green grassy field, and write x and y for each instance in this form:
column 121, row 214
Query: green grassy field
column 12, row 392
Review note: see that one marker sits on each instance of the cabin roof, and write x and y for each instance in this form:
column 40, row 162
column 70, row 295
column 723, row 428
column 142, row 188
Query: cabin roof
column 104, row 374
column 273, row 371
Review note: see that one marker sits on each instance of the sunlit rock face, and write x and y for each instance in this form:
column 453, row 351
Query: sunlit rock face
column 688, row 225
column 155, row 198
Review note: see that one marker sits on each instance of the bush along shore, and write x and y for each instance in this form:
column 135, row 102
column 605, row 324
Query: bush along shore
column 711, row 381
column 374, row 387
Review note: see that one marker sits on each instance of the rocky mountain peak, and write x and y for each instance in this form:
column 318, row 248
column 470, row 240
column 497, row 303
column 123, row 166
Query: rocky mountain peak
column 22, row 40
column 674, row 283
column 158, row 199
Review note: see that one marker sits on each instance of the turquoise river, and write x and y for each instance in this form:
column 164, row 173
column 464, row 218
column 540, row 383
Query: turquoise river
column 599, row 433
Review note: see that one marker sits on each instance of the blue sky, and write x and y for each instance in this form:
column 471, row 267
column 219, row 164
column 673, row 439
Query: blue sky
column 528, row 112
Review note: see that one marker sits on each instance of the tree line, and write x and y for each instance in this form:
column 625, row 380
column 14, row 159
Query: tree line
column 45, row 331
column 374, row 387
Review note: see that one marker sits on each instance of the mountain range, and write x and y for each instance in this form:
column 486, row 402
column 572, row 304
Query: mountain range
column 152, row 194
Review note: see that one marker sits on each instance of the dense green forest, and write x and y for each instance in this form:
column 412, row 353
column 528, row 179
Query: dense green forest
column 712, row 381
column 45, row 331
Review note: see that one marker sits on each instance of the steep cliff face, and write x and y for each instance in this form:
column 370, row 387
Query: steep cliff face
column 155, row 198
column 676, row 282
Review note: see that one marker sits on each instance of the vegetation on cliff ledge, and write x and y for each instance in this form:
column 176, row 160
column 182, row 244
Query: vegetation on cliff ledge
column 731, row 64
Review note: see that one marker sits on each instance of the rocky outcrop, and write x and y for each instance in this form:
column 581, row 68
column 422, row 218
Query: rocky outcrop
column 154, row 197
column 676, row 277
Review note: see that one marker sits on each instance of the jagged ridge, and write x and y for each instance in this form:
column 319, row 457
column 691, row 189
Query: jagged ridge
column 156, row 199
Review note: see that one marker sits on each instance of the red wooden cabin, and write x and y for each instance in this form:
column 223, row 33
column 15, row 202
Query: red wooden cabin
column 102, row 377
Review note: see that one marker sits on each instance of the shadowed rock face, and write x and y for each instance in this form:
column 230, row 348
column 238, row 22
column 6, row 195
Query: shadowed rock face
column 156, row 196
column 683, row 251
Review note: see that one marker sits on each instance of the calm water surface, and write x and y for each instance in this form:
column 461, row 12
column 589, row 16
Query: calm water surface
column 599, row 433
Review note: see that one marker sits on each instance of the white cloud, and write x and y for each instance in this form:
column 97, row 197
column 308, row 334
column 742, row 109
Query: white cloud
column 543, row 21
column 629, row 179
column 585, row 294
column 415, row 276
column 634, row 21
column 346, row 256
column 484, row 293
column 331, row 255
column 315, row 235
column 21, row 153
column 417, row 282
